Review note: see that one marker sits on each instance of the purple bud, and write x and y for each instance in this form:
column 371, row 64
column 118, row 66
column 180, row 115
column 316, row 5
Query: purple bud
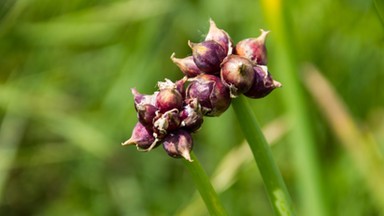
column 208, row 56
column 191, row 116
column 263, row 83
column 220, row 36
column 211, row 94
column 146, row 113
column 145, row 107
column 142, row 99
column 237, row 74
column 142, row 137
column 164, row 123
column 178, row 144
column 254, row 48
column 168, row 98
column 186, row 65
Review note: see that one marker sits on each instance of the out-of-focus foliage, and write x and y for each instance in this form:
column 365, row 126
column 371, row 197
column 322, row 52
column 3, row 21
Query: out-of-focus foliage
column 66, row 69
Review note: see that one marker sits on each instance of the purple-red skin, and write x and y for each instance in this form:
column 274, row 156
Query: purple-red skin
column 141, row 137
column 165, row 123
column 141, row 99
column 220, row 36
column 237, row 74
column 263, row 84
column 253, row 49
column 191, row 116
column 169, row 99
column 211, row 93
column 146, row 113
column 208, row 56
column 186, row 65
column 178, row 144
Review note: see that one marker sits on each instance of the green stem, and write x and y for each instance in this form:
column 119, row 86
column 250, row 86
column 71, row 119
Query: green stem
column 204, row 186
column 277, row 191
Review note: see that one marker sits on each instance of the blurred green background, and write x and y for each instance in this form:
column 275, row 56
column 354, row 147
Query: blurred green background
column 66, row 70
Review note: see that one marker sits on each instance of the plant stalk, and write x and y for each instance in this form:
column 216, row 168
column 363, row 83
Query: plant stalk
column 204, row 186
column 277, row 192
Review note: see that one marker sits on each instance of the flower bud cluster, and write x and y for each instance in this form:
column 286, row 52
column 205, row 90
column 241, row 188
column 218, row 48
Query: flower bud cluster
column 216, row 71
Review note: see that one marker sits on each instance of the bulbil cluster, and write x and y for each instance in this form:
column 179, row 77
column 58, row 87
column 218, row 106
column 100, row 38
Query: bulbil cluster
column 215, row 72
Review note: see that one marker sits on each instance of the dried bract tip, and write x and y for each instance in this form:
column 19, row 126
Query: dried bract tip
column 208, row 56
column 178, row 144
column 211, row 93
column 220, row 36
column 254, row 48
column 263, row 83
column 186, row 65
column 237, row 74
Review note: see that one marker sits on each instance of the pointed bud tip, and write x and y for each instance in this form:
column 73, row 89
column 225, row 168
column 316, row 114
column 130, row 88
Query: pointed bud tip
column 277, row 84
column 264, row 34
column 191, row 44
column 134, row 91
column 212, row 23
column 173, row 55
column 185, row 154
column 128, row 142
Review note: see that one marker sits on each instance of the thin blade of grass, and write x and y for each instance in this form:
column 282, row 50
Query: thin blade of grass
column 362, row 148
